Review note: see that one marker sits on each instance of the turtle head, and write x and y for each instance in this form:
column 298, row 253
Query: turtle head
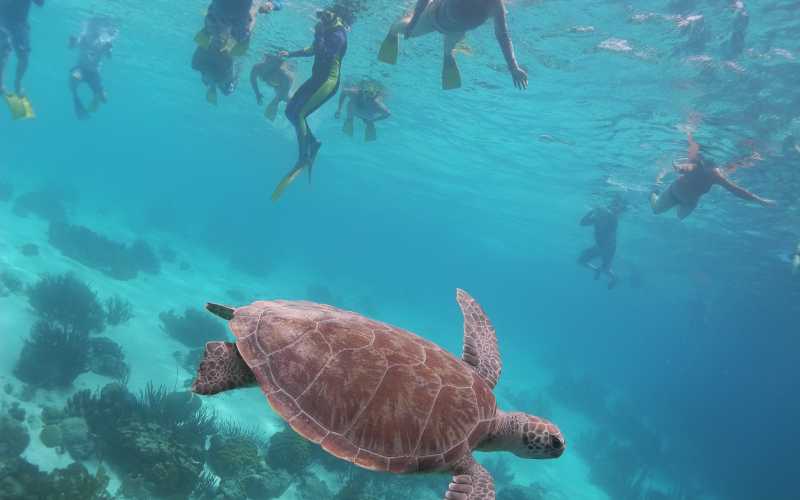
column 526, row 436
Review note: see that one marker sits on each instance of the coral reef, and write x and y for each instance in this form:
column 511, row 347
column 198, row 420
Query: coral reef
column 117, row 310
column 51, row 436
column 289, row 451
column 112, row 258
column 29, row 250
column 10, row 283
column 233, row 451
column 65, row 300
column 16, row 412
column 311, row 486
column 52, row 356
column 14, row 438
column 193, row 329
column 156, row 439
column 21, row 480
column 106, row 358
column 47, row 204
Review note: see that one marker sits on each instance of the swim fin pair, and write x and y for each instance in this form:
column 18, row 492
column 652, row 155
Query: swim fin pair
column 390, row 49
column 292, row 175
column 20, row 107
column 204, row 40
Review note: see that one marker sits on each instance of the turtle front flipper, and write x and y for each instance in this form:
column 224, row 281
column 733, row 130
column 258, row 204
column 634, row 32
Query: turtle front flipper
column 471, row 481
column 221, row 369
column 480, row 341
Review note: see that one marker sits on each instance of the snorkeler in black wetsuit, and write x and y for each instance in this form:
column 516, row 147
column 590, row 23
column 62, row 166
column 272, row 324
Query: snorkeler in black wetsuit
column 94, row 44
column 453, row 18
column 15, row 34
column 329, row 48
column 605, row 222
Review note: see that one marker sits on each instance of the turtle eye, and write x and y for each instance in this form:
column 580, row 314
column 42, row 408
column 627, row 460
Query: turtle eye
column 556, row 442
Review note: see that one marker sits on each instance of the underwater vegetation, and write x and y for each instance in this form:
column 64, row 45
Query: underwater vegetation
column 193, row 329
column 290, row 452
column 67, row 301
column 115, row 259
column 53, row 356
column 156, row 440
column 59, row 347
column 45, row 204
column 14, row 438
column 117, row 310
column 9, row 283
column 29, row 250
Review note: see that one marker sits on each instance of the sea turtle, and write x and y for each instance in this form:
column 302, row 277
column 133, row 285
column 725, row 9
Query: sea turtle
column 374, row 394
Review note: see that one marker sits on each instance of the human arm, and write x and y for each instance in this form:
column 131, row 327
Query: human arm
column 383, row 110
column 254, row 83
column 740, row 191
column 418, row 10
column 589, row 218
column 306, row 52
column 504, row 39
column 343, row 95
column 694, row 148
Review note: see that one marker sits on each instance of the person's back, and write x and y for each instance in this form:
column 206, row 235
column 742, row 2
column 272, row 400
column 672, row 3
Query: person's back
column 695, row 183
column 463, row 15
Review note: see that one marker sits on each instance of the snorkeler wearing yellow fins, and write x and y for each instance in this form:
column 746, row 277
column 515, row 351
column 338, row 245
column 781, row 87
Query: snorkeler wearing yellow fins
column 328, row 49
column 366, row 103
column 227, row 32
column 275, row 72
column 453, row 18
column 15, row 34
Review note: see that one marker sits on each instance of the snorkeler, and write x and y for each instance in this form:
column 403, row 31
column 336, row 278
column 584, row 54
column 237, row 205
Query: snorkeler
column 229, row 24
column 218, row 71
column 15, row 34
column 328, row 49
column 275, row 72
column 696, row 179
column 94, row 43
column 453, row 18
column 605, row 221
column 366, row 103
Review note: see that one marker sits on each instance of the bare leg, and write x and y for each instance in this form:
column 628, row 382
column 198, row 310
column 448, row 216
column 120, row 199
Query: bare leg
column 22, row 68
column 74, row 82
column 451, row 77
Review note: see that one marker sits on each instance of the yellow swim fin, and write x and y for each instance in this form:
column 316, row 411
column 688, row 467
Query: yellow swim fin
column 451, row 77
column 239, row 49
column 370, row 133
column 272, row 110
column 203, row 39
column 389, row 49
column 347, row 128
column 290, row 177
column 211, row 96
column 20, row 107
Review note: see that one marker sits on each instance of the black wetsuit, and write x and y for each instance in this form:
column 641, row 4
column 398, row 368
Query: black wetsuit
column 14, row 28
column 329, row 48
column 605, row 235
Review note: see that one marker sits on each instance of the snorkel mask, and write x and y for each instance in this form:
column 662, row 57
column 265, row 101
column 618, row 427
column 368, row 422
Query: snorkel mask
column 327, row 16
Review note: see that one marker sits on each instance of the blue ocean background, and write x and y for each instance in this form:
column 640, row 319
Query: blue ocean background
column 680, row 382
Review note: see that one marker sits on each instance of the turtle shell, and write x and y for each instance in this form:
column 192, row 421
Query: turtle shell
column 367, row 392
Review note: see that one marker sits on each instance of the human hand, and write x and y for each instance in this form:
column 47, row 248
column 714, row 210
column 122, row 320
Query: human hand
column 764, row 202
column 520, row 78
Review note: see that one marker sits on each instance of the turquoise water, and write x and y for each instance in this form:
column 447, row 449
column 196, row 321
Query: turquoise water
column 679, row 382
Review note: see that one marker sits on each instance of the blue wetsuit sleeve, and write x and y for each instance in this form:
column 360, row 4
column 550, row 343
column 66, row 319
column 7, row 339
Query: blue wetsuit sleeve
column 306, row 52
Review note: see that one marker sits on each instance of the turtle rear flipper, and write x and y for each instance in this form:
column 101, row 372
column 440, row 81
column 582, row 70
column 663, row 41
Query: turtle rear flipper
column 221, row 369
